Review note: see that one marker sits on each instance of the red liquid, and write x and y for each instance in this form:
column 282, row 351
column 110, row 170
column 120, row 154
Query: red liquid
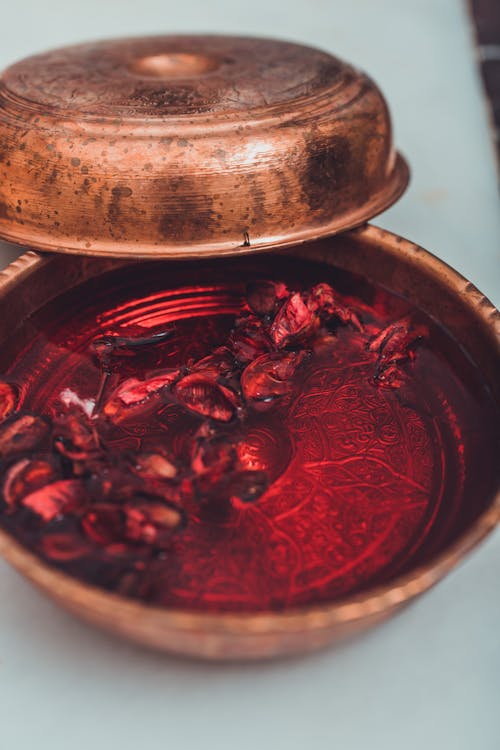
column 366, row 481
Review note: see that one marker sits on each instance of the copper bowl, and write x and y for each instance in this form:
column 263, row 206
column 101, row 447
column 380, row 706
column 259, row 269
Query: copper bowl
column 185, row 146
column 402, row 267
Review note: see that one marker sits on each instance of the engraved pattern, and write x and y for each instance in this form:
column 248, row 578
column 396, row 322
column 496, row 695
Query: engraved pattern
column 359, row 474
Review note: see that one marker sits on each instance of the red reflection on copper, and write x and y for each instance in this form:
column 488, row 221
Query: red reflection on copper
column 342, row 483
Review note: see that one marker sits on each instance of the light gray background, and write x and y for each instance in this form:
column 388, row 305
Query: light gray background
column 429, row 678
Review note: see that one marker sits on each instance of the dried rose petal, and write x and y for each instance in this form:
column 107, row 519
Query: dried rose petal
column 377, row 343
column 394, row 345
column 154, row 466
column 390, row 376
column 111, row 478
column 76, row 435
column 270, row 377
column 20, row 434
column 206, row 397
column 394, row 342
column 152, row 523
column 248, row 339
column 136, row 396
column 140, row 522
column 213, row 461
column 262, row 296
column 25, row 477
column 63, row 547
column 323, row 298
column 218, row 364
column 295, row 322
column 63, row 496
column 9, row 396
column 104, row 524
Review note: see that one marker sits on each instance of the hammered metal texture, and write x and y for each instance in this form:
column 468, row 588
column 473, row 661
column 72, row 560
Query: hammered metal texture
column 184, row 146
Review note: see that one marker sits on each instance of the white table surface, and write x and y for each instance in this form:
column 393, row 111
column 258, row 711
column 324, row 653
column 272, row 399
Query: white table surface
column 430, row 678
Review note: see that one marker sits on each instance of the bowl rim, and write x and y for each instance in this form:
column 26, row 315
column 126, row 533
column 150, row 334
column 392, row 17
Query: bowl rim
column 373, row 601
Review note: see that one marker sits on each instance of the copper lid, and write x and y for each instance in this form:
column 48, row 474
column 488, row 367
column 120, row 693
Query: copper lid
column 182, row 146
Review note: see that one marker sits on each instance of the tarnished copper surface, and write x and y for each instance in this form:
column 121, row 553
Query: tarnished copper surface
column 385, row 258
column 186, row 146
